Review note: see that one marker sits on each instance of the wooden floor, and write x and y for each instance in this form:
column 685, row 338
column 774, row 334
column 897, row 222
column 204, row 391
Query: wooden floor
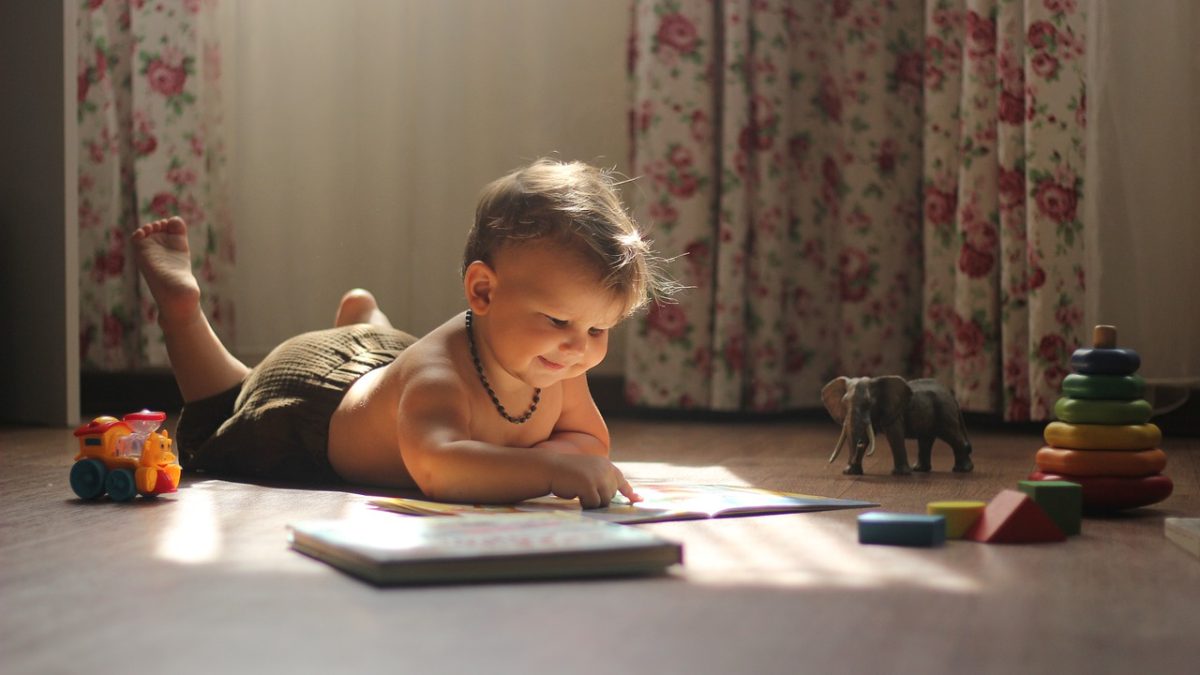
column 202, row 581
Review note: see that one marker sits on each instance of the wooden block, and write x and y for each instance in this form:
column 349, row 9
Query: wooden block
column 1091, row 411
column 1132, row 463
column 1060, row 499
column 1103, row 494
column 1105, row 361
column 960, row 516
column 1103, row 436
column 1185, row 532
column 1104, row 387
column 1013, row 518
column 901, row 529
column 1104, row 337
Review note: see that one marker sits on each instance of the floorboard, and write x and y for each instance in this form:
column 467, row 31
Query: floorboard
column 202, row 580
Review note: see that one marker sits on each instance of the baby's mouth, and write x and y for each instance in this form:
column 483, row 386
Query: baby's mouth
column 550, row 364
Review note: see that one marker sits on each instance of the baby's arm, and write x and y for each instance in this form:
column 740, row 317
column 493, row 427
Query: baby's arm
column 436, row 445
column 580, row 428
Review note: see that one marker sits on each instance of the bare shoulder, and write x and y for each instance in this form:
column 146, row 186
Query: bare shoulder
column 575, row 392
column 430, row 382
column 430, row 355
column 579, row 411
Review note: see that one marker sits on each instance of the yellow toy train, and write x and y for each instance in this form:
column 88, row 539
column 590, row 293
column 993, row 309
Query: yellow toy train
column 124, row 458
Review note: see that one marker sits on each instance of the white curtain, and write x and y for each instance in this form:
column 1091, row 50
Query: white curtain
column 364, row 130
column 1142, row 199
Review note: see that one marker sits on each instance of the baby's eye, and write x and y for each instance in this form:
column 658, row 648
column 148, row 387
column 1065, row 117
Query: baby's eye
column 596, row 332
column 558, row 323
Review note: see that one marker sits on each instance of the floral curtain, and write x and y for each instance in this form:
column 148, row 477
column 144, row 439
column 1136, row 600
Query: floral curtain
column 860, row 187
column 149, row 113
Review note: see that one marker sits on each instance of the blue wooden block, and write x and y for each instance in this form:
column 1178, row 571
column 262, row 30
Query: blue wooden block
column 901, row 529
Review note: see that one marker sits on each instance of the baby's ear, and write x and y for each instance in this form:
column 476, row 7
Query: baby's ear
column 479, row 282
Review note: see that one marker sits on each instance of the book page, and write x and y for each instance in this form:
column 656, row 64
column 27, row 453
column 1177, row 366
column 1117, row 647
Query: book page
column 661, row 502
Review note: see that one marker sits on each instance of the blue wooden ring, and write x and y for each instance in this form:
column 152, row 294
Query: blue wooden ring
column 1104, row 387
column 1099, row 361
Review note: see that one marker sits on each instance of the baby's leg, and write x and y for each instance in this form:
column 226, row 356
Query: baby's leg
column 202, row 365
column 359, row 306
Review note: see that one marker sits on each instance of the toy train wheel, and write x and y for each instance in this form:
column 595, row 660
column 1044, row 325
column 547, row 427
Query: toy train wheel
column 88, row 478
column 120, row 485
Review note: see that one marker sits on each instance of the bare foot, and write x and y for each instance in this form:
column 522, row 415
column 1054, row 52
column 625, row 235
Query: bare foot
column 359, row 306
column 160, row 250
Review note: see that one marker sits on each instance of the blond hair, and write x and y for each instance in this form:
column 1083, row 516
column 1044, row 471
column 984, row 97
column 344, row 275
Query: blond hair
column 576, row 205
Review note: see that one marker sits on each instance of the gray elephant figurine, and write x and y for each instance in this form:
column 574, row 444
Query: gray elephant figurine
column 920, row 409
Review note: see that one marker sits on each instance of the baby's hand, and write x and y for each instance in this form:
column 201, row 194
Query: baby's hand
column 591, row 479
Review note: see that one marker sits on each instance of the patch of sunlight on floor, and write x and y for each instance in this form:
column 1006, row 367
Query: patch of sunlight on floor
column 672, row 473
column 243, row 527
column 794, row 549
column 804, row 550
column 192, row 534
column 363, row 509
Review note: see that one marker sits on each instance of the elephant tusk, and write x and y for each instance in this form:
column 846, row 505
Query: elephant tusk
column 840, row 442
column 871, row 444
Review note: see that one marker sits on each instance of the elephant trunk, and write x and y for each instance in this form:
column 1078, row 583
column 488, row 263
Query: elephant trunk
column 862, row 447
column 840, row 442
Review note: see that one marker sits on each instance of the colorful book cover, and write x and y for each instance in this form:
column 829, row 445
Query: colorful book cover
column 386, row 550
column 661, row 502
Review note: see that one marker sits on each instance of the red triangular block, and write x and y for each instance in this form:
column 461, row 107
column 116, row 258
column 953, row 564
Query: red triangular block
column 1013, row 518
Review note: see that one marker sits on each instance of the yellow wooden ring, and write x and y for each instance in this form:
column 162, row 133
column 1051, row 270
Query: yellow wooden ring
column 1101, row 462
column 959, row 515
column 1103, row 436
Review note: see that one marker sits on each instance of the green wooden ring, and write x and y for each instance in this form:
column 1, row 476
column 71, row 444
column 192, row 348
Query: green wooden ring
column 1110, row 387
column 1083, row 411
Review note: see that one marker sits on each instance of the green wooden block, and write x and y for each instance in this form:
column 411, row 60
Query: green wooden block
column 1061, row 500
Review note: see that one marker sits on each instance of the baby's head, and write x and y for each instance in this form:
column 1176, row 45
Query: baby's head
column 574, row 206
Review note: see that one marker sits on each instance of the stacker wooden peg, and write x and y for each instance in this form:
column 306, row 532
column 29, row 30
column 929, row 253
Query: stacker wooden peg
column 1104, row 337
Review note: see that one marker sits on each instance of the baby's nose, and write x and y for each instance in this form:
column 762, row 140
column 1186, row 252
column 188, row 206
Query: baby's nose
column 573, row 344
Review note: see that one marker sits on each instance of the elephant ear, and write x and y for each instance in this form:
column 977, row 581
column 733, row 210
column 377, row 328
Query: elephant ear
column 832, row 395
column 889, row 399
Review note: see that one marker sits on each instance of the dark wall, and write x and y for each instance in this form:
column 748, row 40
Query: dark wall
column 39, row 362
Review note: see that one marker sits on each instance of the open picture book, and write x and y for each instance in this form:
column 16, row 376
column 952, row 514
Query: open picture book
column 387, row 551
column 662, row 501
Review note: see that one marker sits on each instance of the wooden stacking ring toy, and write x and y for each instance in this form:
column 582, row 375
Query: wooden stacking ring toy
column 1101, row 462
column 1109, row 387
column 1084, row 411
column 1099, row 361
column 1102, row 436
column 1107, row 493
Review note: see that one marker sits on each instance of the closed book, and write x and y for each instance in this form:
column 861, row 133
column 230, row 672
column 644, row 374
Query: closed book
column 392, row 550
column 1185, row 532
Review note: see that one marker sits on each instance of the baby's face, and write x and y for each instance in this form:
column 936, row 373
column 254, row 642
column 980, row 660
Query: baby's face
column 549, row 316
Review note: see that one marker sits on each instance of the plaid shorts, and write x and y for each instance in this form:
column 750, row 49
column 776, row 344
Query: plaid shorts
column 274, row 425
